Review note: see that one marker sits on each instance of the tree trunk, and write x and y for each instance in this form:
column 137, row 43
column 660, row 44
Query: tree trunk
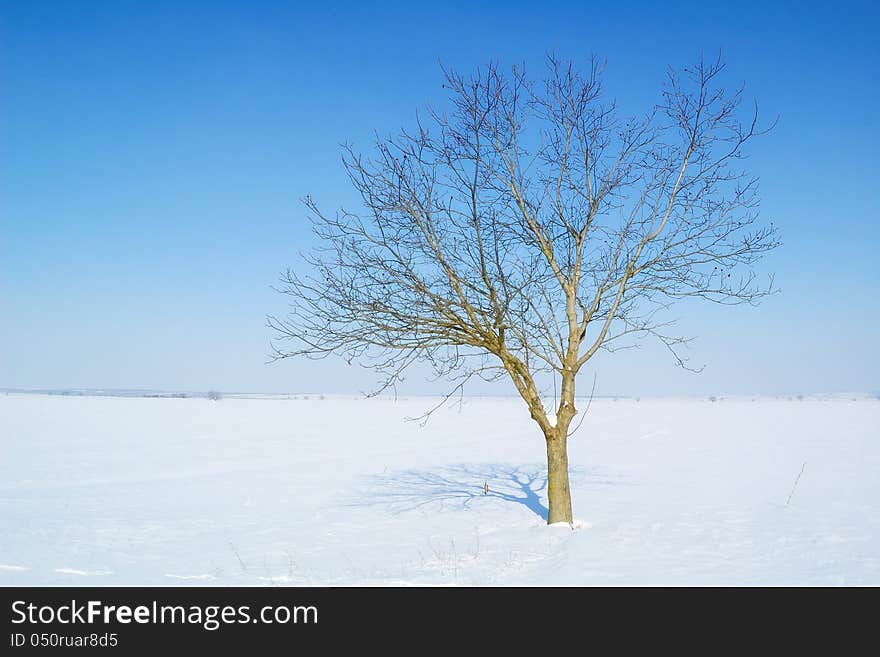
column 558, row 490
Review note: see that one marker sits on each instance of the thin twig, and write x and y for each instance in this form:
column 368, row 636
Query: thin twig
column 795, row 483
column 587, row 410
column 238, row 556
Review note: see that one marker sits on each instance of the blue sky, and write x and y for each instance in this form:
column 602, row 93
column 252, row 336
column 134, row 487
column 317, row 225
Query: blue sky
column 153, row 154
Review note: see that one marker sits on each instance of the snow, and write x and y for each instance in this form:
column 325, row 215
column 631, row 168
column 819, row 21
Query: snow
column 343, row 491
column 86, row 573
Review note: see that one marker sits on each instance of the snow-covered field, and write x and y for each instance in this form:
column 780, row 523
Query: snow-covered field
column 104, row 490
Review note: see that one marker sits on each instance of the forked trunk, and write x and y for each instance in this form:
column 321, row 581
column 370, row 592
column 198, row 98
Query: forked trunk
column 558, row 490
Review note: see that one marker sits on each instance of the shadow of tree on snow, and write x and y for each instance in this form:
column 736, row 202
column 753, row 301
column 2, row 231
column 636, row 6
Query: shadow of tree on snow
column 461, row 486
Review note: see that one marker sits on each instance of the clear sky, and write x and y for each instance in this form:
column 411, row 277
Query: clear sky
column 153, row 154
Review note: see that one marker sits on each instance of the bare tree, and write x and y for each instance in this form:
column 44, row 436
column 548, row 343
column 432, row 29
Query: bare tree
column 528, row 226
